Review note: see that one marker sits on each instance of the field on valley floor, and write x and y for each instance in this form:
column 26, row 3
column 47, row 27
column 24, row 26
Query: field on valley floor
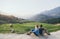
column 25, row 27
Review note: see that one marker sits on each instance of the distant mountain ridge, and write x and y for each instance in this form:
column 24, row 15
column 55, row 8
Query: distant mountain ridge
column 47, row 15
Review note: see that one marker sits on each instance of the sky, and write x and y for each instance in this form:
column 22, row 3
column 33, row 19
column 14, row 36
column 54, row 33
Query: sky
column 26, row 8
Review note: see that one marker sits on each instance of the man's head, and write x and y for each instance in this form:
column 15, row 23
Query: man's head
column 41, row 25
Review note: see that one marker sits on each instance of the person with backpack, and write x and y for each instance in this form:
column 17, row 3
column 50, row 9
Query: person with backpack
column 43, row 30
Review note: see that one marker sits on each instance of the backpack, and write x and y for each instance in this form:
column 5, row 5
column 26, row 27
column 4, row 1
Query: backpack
column 41, row 30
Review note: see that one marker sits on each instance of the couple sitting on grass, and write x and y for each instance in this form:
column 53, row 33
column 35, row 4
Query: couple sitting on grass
column 39, row 30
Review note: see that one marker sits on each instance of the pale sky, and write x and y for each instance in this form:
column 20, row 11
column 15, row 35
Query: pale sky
column 26, row 8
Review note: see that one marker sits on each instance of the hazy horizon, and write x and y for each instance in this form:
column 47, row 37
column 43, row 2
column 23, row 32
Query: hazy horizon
column 26, row 8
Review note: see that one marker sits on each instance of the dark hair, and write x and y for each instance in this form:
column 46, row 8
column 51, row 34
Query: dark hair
column 41, row 25
column 37, row 26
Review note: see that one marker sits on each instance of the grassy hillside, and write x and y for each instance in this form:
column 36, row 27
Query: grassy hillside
column 25, row 27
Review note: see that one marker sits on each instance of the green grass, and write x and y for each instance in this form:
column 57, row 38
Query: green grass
column 25, row 27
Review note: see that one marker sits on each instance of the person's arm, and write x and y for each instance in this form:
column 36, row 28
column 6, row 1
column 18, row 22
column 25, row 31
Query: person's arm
column 46, row 31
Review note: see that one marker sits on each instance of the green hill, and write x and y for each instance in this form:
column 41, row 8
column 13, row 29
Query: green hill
column 52, row 20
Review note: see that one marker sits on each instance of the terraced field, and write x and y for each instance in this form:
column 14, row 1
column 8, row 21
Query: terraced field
column 25, row 27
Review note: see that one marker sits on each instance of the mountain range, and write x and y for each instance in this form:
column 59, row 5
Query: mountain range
column 48, row 15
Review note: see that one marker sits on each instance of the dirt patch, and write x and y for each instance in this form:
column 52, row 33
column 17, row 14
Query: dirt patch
column 57, row 24
column 54, row 35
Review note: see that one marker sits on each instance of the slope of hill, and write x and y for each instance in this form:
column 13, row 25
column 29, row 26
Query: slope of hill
column 9, row 19
column 47, row 15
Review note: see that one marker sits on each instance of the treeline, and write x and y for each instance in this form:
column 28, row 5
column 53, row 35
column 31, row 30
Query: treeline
column 9, row 19
column 52, row 20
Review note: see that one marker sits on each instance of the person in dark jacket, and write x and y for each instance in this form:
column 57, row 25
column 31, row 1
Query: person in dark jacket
column 43, row 30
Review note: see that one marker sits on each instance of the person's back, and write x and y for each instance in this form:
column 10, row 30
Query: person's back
column 35, row 31
column 43, row 30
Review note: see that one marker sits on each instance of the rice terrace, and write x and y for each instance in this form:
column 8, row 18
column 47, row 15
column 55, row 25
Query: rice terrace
column 25, row 27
